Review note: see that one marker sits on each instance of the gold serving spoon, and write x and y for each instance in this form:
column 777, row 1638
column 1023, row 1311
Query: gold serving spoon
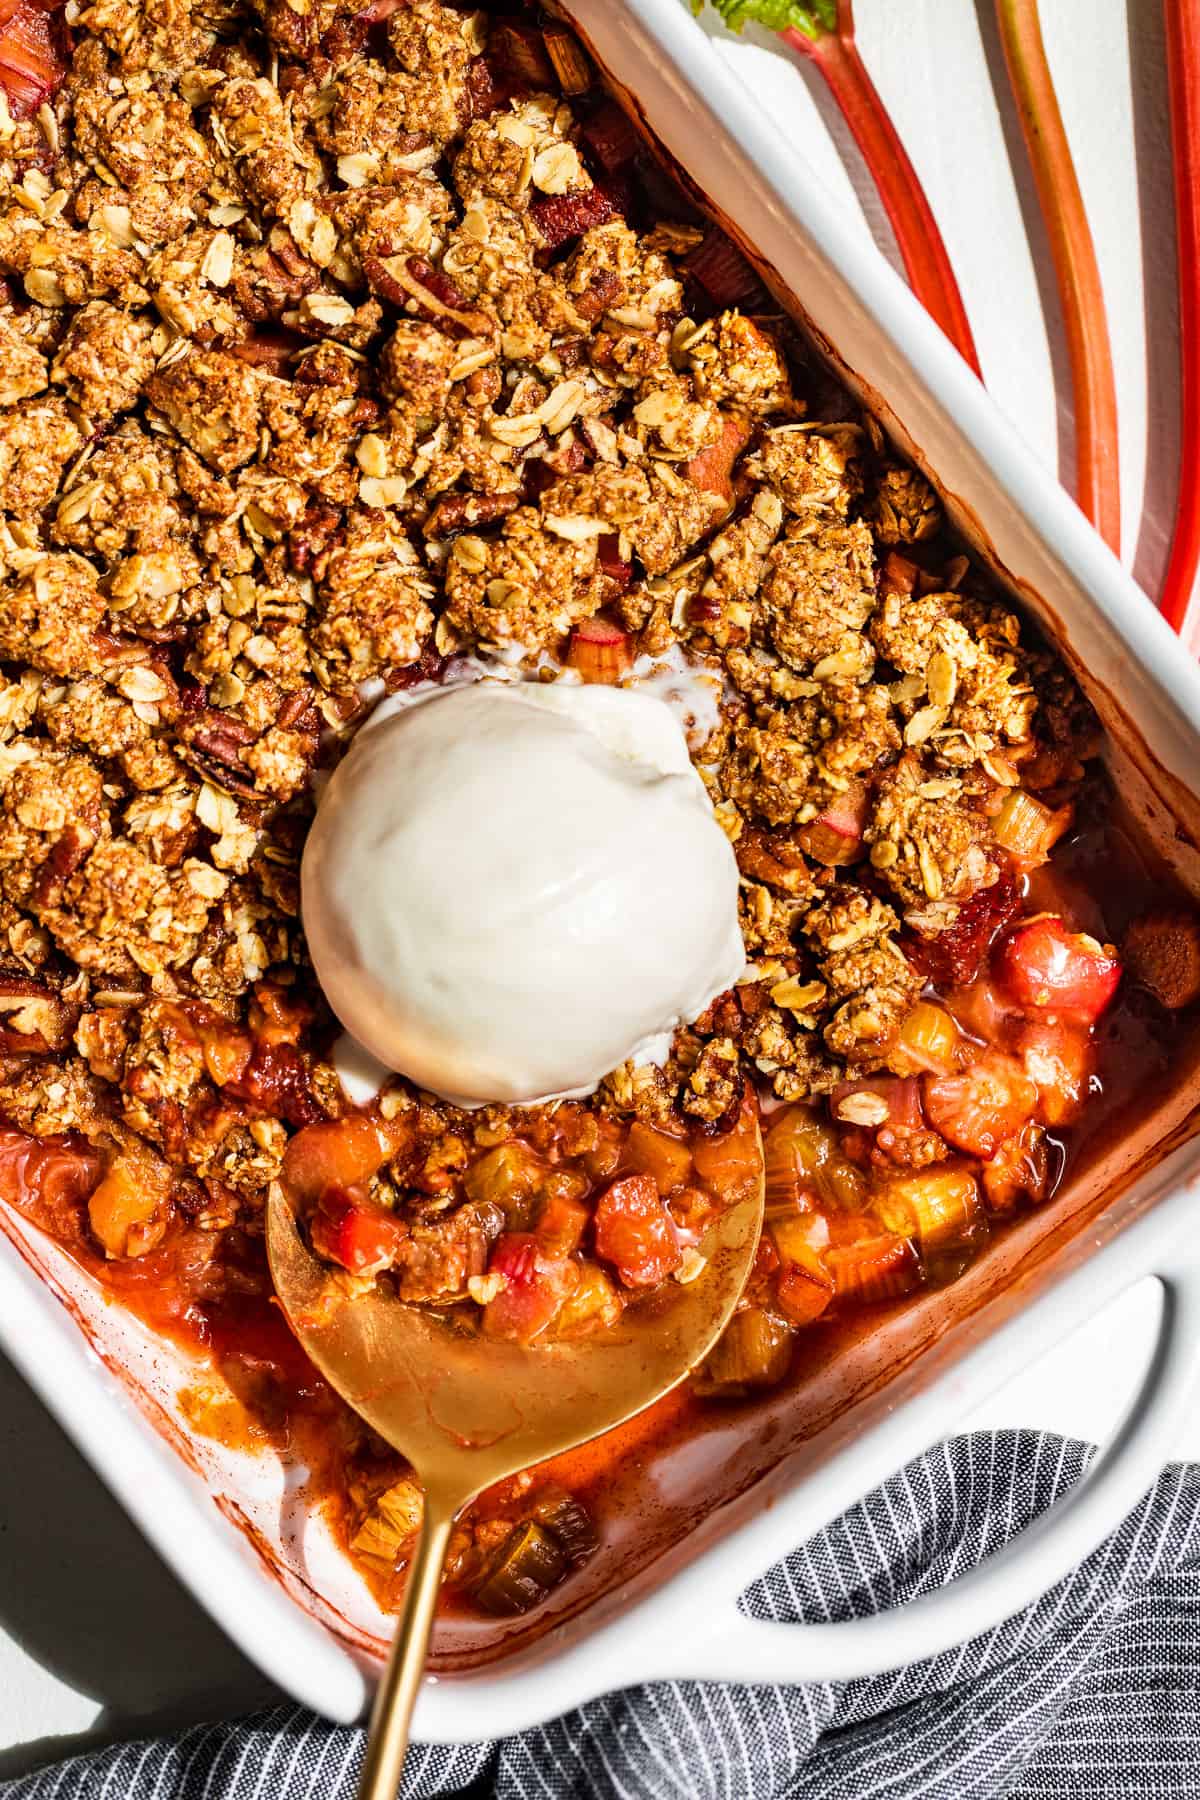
column 468, row 1411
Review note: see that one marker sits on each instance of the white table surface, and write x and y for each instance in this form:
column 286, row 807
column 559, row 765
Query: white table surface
column 96, row 1638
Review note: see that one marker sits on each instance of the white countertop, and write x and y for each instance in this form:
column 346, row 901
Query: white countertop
column 96, row 1637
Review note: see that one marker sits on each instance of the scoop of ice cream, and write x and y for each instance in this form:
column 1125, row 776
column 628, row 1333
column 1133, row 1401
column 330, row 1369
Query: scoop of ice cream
column 510, row 888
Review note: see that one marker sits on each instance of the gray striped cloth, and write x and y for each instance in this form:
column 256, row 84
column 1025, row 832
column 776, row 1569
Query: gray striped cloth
column 1095, row 1691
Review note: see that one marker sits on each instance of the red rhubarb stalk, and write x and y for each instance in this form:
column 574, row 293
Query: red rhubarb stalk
column 1097, row 483
column 824, row 32
column 1183, row 82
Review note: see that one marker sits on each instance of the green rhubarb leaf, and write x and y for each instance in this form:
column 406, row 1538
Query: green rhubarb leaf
column 777, row 15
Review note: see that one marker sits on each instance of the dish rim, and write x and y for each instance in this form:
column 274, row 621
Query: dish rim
column 207, row 1554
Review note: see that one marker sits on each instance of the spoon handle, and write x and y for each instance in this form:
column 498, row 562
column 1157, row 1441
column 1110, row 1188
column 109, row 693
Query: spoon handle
column 387, row 1743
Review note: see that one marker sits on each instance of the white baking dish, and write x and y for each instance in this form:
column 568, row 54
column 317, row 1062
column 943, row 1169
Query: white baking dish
column 235, row 1530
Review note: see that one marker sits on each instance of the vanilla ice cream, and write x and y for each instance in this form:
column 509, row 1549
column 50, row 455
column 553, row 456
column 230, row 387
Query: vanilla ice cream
column 509, row 888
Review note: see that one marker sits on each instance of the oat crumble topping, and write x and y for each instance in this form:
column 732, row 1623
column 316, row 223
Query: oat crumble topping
column 327, row 353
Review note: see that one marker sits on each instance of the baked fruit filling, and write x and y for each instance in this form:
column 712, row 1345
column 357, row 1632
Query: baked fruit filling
column 346, row 349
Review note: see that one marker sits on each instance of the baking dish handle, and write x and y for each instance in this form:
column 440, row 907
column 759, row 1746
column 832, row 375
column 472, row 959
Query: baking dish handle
column 742, row 1649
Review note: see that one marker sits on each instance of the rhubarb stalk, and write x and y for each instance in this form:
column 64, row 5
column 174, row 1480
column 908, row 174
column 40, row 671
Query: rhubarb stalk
column 1097, row 484
column 1183, row 81
column 824, row 32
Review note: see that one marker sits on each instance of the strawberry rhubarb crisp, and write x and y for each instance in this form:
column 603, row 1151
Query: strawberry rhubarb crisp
column 348, row 348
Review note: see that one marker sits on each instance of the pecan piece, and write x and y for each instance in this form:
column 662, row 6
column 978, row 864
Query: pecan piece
column 34, row 1020
column 561, row 217
column 457, row 512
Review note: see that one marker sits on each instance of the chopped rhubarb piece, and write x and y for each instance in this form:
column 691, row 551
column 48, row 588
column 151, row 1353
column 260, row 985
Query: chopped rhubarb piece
column 227, row 1049
column 723, row 272
column 898, row 575
column 879, row 1100
column 802, row 1294
column 730, row 1161
column 797, row 1148
column 518, row 50
column 929, row 1042
column 599, row 652
column 522, row 1572
column 983, row 1105
column 754, row 1351
column 803, row 1285
column 562, row 1222
column 1162, row 952
column 953, row 958
column 54, row 1172
column 337, row 1153
column 805, row 1164
column 1058, row 1059
column 983, row 1010
column 881, row 1267
column 836, row 837
column 1050, row 969
column 612, row 563
column 536, row 1285
column 656, row 1153
column 507, row 1176
column 1027, row 829
column 938, row 1207
column 634, row 1232
column 561, row 217
column 574, row 71
column 712, row 470
column 612, row 137
column 32, row 56
column 359, row 1235
column 127, row 1210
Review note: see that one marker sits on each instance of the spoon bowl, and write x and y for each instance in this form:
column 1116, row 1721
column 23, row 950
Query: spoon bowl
column 467, row 1411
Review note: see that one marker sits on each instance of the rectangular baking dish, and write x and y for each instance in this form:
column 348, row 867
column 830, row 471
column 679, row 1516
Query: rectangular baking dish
column 659, row 1600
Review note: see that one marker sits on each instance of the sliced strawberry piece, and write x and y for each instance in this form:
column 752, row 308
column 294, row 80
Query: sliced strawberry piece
column 634, row 1232
column 488, row 88
column 536, row 1284
column 1058, row 1059
column 1050, row 969
column 983, row 1106
column 1019, row 1168
column 953, row 958
column 358, row 1234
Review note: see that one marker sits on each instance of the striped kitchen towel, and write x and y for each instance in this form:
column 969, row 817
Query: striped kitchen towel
column 1094, row 1691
